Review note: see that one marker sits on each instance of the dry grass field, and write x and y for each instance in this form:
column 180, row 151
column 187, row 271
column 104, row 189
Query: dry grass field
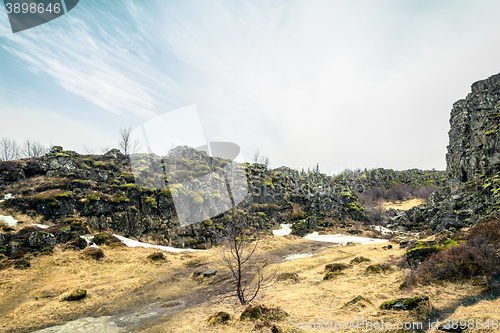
column 125, row 281
column 404, row 205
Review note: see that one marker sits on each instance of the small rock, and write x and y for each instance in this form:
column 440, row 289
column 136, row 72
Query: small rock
column 209, row 273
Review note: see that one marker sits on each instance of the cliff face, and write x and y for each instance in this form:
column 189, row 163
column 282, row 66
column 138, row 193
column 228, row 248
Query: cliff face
column 472, row 190
column 474, row 147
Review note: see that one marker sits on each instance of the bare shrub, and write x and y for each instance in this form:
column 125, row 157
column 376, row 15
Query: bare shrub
column 127, row 143
column 477, row 257
column 32, row 148
column 459, row 262
column 424, row 192
column 9, row 150
column 236, row 254
column 260, row 158
column 370, row 197
column 488, row 231
column 399, row 192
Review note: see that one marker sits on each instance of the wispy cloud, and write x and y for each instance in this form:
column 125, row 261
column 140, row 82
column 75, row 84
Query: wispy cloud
column 342, row 83
column 104, row 63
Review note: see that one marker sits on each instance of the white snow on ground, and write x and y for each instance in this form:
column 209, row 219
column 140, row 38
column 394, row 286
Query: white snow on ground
column 133, row 243
column 296, row 256
column 41, row 226
column 337, row 238
column 343, row 239
column 285, row 230
column 383, row 230
column 9, row 220
column 87, row 239
column 7, row 197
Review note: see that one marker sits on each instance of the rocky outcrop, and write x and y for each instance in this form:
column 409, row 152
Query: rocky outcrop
column 472, row 189
column 142, row 196
column 474, row 147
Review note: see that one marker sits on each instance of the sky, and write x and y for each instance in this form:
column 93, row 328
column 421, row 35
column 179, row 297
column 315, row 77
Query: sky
column 342, row 84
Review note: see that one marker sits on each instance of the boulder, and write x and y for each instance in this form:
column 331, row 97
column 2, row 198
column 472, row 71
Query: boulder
column 41, row 239
column 209, row 273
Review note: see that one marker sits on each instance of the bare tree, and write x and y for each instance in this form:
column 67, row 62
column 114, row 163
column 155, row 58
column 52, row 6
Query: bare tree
column 260, row 158
column 88, row 151
column 9, row 150
column 127, row 144
column 105, row 149
column 236, row 254
column 32, row 148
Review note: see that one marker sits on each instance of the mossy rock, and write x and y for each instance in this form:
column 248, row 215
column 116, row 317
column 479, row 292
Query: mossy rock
column 67, row 195
column 41, row 239
column 377, row 268
column 261, row 312
column 106, row 238
column 100, row 239
column 120, row 199
column 331, row 275
column 404, row 303
column 22, row 264
column 157, row 256
column 151, row 202
column 94, row 198
column 421, row 251
column 75, row 295
column 336, row 267
column 166, row 193
column 359, row 260
column 77, row 243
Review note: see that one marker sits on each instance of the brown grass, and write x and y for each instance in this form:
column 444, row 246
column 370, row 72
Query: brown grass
column 404, row 205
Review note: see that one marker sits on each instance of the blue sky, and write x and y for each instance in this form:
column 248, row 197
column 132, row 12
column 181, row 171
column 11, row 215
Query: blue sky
column 345, row 84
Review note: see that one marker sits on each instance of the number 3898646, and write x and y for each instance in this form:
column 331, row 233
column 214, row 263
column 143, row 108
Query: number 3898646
column 32, row 8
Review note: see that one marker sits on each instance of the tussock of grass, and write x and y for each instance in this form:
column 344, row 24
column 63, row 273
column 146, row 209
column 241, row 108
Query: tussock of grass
column 93, row 253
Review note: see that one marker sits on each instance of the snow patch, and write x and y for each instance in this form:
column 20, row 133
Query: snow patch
column 41, row 226
column 285, row 230
column 133, row 243
column 9, row 220
column 296, row 256
column 382, row 229
column 343, row 239
column 7, row 197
